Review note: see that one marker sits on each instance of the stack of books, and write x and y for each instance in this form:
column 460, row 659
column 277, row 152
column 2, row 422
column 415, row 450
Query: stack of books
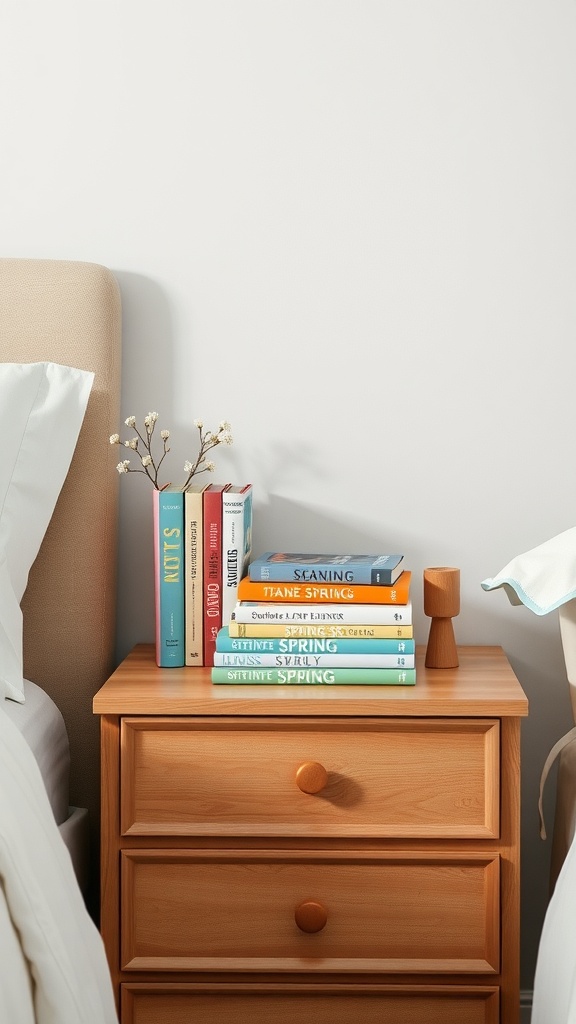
column 202, row 548
column 311, row 618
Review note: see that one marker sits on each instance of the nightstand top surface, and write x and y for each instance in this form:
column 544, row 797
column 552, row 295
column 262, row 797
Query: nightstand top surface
column 483, row 684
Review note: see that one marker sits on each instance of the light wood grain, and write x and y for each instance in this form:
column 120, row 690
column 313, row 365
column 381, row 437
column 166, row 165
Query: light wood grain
column 323, row 1004
column 485, row 686
column 209, row 846
column 238, row 776
column 234, row 910
column 442, row 603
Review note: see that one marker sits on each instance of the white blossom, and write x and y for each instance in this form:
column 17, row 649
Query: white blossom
column 152, row 453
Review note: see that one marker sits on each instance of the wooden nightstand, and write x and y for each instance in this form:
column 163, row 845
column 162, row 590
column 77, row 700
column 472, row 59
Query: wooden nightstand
column 340, row 854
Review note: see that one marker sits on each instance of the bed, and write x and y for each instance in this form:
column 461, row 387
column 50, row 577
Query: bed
column 554, row 999
column 63, row 317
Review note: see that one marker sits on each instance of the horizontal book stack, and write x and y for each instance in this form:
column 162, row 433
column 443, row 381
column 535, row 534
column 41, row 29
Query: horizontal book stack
column 334, row 619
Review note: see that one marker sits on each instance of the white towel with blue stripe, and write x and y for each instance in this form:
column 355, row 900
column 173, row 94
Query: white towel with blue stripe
column 544, row 578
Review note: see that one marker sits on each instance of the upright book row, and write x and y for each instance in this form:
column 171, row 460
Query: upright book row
column 202, row 547
column 306, row 619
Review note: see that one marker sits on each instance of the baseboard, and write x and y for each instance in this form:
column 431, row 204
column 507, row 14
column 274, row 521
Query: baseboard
column 525, row 1006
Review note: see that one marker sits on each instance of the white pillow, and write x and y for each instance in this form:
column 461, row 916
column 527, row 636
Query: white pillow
column 42, row 407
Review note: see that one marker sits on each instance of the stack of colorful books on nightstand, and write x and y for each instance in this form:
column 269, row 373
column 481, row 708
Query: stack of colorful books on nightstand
column 303, row 619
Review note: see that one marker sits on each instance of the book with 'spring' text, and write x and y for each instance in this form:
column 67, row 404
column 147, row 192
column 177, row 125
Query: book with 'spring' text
column 332, row 593
column 316, row 676
column 365, row 630
column 304, row 645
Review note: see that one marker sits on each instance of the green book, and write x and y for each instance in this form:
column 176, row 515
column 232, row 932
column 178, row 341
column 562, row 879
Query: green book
column 316, row 676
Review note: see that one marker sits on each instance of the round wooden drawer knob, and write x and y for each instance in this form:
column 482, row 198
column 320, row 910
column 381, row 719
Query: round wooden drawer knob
column 310, row 916
column 311, row 777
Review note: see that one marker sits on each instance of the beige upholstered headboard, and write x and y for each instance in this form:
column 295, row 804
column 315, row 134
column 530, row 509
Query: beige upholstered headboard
column 69, row 312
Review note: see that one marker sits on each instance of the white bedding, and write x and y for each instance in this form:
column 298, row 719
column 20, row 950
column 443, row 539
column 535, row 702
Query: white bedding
column 554, row 1000
column 42, row 726
column 53, row 968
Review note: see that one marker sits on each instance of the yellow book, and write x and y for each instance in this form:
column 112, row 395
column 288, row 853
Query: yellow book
column 193, row 575
column 325, row 629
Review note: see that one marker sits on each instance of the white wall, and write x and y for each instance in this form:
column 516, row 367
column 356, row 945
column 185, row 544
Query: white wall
column 348, row 227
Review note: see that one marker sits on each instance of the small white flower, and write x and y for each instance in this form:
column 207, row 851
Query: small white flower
column 143, row 445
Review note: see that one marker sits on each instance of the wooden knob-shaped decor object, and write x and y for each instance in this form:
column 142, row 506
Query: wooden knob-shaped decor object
column 311, row 777
column 310, row 916
column 441, row 603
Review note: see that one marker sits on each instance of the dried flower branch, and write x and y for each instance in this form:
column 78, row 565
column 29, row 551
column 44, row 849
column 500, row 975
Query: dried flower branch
column 150, row 464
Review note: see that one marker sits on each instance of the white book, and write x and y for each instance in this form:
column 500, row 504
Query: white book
column 243, row 658
column 236, row 544
column 270, row 612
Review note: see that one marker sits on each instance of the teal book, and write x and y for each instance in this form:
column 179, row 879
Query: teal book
column 316, row 676
column 169, row 576
column 309, row 645
column 287, row 567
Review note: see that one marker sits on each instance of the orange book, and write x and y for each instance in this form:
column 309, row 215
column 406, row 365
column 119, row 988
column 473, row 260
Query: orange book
column 330, row 593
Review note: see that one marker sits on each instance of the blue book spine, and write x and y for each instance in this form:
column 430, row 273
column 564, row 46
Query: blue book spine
column 309, row 645
column 169, row 577
column 281, row 567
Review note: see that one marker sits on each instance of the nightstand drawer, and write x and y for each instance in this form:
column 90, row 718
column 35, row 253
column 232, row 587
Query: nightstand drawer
column 408, row 778
column 293, row 910
column 323, row 1004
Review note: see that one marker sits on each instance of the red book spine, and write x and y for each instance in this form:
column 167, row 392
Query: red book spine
column 212, row 558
